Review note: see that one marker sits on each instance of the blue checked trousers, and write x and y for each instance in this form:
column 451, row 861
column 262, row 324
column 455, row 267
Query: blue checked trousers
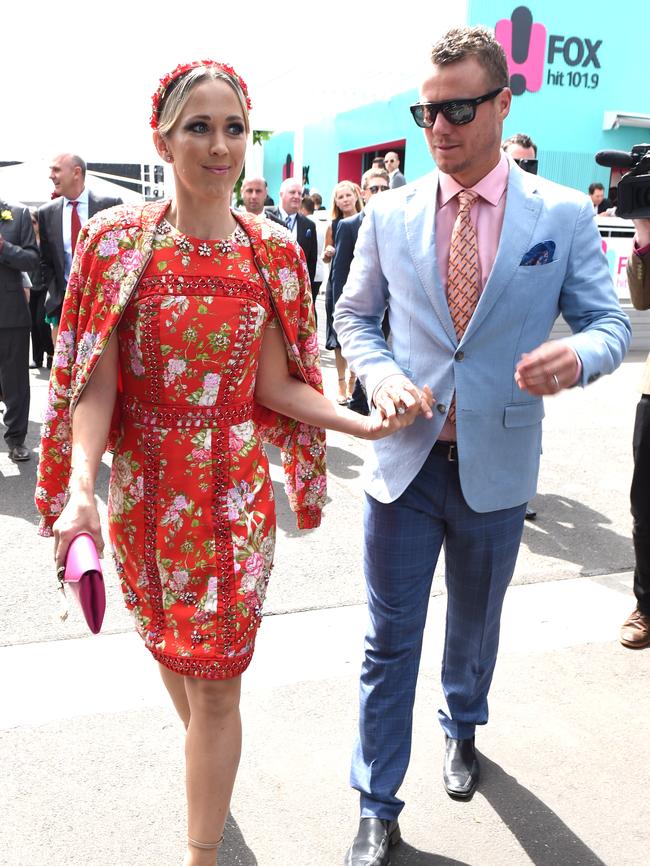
column 402, row 544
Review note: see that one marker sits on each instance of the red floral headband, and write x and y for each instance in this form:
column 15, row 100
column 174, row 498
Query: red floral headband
column 180, row 70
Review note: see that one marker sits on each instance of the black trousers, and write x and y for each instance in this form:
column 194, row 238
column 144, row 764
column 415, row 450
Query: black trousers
column 14, row 383
column 640, row 502
column 41, row 331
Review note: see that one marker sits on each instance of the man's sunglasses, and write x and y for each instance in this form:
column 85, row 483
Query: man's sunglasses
column 457, row 111
column 375, row 189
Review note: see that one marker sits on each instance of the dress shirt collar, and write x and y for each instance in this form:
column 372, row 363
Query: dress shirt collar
column 284, row 214
column 490, row 188
column 82, row 198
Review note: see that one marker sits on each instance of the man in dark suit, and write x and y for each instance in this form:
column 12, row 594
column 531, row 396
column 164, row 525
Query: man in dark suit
column 373, row 181
column 301, row 227
column 18, row 253
column 391, row 164
column 59, row 222
column 597, row 196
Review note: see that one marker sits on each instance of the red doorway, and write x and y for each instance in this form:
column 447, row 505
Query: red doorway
column 353, row 163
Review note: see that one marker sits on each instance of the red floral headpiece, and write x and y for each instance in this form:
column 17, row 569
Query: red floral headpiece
column 180, row 70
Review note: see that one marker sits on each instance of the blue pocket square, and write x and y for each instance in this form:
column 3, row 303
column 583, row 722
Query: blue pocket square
column 540, row 254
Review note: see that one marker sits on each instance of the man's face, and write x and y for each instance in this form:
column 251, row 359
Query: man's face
column 291, row 197
column 375, row 186
column 597, row 196
column 253, row 194
column 516, row 151
column 65, row 176
column 471, row 151
column 391, row 161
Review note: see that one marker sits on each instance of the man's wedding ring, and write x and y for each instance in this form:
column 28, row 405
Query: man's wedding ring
column 556, row 380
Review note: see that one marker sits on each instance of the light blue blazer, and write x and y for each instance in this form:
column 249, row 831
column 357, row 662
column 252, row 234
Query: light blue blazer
column 499, row 427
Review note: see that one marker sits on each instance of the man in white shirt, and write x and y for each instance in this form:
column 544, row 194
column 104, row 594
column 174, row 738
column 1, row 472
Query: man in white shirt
column 391, row 163
column 301, row 227
column 59, row 224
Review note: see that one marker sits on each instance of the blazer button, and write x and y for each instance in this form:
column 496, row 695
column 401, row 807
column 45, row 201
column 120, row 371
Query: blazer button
column 459, row 355
column 441, row 408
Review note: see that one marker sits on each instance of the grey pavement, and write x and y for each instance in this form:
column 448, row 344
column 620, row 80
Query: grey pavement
column 92, row 751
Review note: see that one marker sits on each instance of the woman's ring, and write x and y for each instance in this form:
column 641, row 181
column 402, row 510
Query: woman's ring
column 557, row 383
column 401, row 410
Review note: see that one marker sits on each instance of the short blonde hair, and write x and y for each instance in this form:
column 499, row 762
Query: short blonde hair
column 459, row 43
column 177, row 94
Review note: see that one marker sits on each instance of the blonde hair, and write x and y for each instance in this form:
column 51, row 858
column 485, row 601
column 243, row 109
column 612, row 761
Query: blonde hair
column 337, row 213
column 178, row 92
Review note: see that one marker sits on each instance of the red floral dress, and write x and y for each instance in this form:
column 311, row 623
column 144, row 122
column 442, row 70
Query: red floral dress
column 191, row 512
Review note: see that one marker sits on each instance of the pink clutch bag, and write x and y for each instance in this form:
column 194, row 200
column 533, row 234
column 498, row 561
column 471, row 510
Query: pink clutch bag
column 83, row 575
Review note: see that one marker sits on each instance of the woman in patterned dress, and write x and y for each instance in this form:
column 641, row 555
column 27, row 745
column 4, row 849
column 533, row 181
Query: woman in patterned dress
column 187, row 336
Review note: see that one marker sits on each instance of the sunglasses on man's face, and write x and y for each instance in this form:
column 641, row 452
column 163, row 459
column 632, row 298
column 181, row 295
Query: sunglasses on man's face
column 375, row 189
column 457, row 111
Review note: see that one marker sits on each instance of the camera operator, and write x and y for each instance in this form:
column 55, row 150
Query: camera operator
column 635, row 632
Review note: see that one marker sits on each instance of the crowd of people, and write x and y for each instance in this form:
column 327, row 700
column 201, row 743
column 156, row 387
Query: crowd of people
column 185, row 338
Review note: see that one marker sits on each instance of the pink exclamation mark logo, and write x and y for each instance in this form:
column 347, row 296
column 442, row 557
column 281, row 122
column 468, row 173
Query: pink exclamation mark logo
column 525, row 47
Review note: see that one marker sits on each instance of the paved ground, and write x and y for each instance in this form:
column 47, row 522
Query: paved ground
column 92, row 753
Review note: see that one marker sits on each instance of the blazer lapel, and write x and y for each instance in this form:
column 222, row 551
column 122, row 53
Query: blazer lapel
column 522, row 210
column 420, row 228
column 93, row 204
column 56, row 232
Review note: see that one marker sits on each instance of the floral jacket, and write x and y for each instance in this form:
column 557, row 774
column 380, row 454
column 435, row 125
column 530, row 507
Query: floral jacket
column 111, row 255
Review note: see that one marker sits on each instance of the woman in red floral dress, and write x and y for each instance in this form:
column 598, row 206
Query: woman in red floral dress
column 187, row 337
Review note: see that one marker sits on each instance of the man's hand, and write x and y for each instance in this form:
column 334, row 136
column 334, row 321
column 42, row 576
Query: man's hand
column 642, row 232
column 397, row 395
column 547, row 369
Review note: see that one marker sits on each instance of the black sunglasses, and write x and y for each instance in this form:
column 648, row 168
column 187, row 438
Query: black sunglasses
column 375, row 189
column 456, row 111
column 529, row 165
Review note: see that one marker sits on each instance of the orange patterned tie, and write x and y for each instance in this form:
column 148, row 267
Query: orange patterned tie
column 463, row 273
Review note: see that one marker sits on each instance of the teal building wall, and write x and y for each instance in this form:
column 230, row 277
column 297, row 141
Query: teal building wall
column 588, row 62
column 580, row 61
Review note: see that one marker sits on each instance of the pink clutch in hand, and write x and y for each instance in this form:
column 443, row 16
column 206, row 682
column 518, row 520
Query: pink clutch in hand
column 83, row 575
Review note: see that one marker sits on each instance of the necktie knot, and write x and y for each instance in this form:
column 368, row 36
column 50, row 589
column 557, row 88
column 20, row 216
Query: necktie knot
column 466, row 198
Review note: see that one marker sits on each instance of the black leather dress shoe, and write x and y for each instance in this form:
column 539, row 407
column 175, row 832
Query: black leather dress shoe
column 372, row 844
column 461, row 770
column 18, row 453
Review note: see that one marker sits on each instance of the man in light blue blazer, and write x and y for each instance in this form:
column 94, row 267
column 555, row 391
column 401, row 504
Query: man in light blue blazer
column 461, row 479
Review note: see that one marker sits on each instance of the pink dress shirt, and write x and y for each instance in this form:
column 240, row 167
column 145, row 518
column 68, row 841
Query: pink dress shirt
column 487, row 216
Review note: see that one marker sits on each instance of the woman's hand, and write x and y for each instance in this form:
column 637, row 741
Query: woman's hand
column 328, row 253
column 79, row 515
column 398, row 409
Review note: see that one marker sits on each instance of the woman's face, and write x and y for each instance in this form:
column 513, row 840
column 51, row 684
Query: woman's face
column 346, row 201
column 207, row 145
